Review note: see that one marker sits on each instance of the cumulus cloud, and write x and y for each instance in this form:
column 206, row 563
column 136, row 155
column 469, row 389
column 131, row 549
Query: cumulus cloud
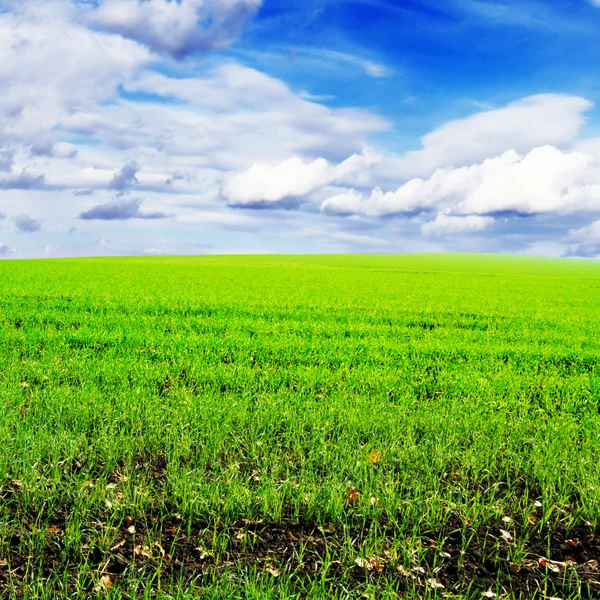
column 272, row 186
column 177, row 28
column 120, row 210
column 544, row 180
column 445, row 224
column 26, row 224
column 585, row 242
column 21, row 181
column 6, row 250
column 546, row 119
column 124, row 179
column 52, row 68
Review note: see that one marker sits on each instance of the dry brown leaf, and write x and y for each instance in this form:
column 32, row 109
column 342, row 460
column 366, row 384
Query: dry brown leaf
column 352, row 496
column 107, row 581
column 54, row 529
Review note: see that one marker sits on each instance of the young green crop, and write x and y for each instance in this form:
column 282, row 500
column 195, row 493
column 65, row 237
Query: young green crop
column 370, row 406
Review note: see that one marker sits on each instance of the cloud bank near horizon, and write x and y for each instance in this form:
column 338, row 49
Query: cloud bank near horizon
column 215, row 146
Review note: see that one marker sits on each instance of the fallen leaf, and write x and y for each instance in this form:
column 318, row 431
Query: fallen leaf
column 107, row 581
column 117, row 546
column 24, row 384
column 131, row 529
column 489, row 594
column 142, row 551
column 436, row 584
column 506, row 535
column 507, row 519
column 361, row 562
column 373, row 501
column 374, row 457
column 273, row 571
column 111, row 486
column 54, row 529
column 352, row 496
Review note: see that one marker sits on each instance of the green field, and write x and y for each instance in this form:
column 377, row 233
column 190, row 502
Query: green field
column 300, row 427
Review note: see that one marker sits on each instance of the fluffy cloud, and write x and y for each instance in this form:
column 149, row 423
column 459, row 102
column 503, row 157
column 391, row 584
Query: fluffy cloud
column 52, row 68
column 124, row 179
column 6, row 250
column 174, row 27
column 546, row 119
column 229, row 118
column 445, row 224
column 264, row 186
column 120, row 210
column 21, row 181
column 585, row 242
column 26, row 224
column 544, row 180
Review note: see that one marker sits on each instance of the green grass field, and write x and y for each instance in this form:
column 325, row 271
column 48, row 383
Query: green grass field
column 300, row 427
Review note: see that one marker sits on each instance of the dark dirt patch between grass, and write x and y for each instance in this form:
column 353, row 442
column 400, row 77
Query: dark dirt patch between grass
column 555, row 562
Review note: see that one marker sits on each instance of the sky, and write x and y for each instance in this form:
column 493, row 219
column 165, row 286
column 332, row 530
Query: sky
column 183, row 127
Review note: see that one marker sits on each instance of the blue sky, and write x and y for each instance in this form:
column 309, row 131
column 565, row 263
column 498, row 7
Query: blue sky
column 225, row 126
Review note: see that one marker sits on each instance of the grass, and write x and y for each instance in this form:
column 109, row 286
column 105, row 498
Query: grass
column 300, row 427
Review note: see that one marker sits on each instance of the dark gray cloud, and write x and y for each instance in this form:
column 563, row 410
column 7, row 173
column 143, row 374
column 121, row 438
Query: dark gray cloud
column 26, row 224
column 21, row 181
column 6, row 250
column 124, row 179
column 120, row 210
column 188, row 26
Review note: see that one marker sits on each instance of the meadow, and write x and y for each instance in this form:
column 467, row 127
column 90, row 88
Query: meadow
column 422, row 426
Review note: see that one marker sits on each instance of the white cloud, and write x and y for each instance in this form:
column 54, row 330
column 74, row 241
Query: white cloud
column 6, row 250
column 173, row 27
column 231, row 117
column 52, row 68
column 585, row 241
column 445, row 224
column 553, row 119
column 588, row 234
column 546, row 180
column 262, row 185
